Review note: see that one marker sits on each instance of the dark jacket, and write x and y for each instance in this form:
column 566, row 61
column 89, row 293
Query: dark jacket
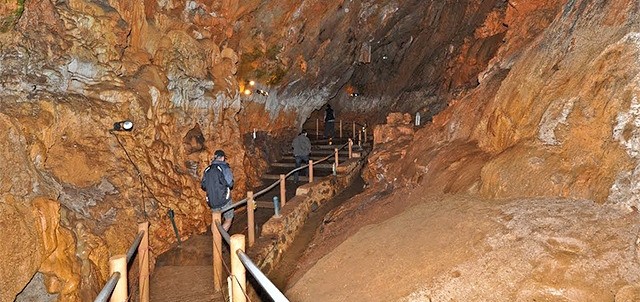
column 217, row 184
column 329, row 115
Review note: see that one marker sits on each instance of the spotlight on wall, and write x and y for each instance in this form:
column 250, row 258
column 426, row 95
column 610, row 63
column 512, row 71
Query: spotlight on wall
column 125, row 125
column 353, row 95
column 252, row 83
column 262, row 92
column 247, row 92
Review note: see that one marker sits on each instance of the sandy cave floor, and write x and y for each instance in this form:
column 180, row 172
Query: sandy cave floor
column 409, row 246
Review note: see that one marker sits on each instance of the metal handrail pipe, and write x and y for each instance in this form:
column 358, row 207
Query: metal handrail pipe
column 105, row 293
column 268, row 286
column 134, row 246
column 225, row 234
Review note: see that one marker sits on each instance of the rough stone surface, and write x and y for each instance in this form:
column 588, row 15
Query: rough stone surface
column 459, row 248
column 528, row 99
column 36, row 291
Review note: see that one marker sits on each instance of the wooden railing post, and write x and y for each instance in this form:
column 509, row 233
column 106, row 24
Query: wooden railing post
column 237, row 269
column 217, row 251
column 143, row 262
column 350, row 148
column 340, row 128
column 251, row 225
column 310, row 170
column 118, row 263
column 359, row 138
column 283, row 191
column 353, row 131
column 317, row 128
column 336, row 156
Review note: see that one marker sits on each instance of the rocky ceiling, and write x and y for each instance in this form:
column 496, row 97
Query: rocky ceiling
column 538, row 98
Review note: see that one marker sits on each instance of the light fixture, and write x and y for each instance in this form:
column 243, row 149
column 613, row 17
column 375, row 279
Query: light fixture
column 262, row 92
column 125, row 125
column 247, row 92
column 355, row 94
column 252, row 83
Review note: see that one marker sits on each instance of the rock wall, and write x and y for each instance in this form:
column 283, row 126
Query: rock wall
column 554, row 114
column 532, row 99
column 72, row 190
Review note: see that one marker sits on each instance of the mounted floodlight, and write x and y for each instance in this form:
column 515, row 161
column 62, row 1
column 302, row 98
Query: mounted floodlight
column 252, row 83
column 247, row 92
column 262, row 92
column 125, row 125
column 355, row 94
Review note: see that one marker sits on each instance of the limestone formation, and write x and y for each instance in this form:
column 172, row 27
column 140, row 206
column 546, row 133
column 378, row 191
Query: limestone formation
column 527, row 99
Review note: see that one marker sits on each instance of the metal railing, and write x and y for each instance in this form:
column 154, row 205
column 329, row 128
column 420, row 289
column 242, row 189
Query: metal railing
column 239, row 283
column 116, row 287
column 273, row 185
column 237, row 274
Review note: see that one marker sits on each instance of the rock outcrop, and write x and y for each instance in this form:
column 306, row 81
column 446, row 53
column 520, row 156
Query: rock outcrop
column 554, row 114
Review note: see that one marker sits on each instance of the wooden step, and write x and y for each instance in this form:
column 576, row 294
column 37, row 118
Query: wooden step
column 290, row 158
column 339, row 141
column 264, row 204
column 293, row 165
column 324, row 152
column 276, row 177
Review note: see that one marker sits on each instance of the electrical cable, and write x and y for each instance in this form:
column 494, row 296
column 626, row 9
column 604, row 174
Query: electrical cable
column 143, row 184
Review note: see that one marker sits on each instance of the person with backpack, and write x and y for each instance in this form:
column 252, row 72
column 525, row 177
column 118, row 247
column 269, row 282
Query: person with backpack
column 301, row 150
column 217, row 181
column 329, row 122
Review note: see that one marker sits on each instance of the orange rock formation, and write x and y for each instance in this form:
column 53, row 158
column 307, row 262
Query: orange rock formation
column 528, row 99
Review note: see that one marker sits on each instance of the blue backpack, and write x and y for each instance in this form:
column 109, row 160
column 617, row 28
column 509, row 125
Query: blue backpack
column 215, row 185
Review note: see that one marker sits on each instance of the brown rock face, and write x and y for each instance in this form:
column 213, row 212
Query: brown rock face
column 532, row 99
column 554, row 113
column 72, row 190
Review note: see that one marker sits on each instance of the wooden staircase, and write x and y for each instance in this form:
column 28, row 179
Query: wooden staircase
column 320, row 149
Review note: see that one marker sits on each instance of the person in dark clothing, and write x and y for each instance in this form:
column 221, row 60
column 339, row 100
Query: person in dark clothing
column 217, row 181
column 329, row 122
column 301, row 150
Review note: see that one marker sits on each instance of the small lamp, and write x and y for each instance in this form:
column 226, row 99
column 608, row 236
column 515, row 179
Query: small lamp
column 125, row 125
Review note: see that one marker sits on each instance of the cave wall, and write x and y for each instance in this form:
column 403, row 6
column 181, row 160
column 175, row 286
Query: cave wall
column 554, row 114
column 73, row 191
column 527, row 99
